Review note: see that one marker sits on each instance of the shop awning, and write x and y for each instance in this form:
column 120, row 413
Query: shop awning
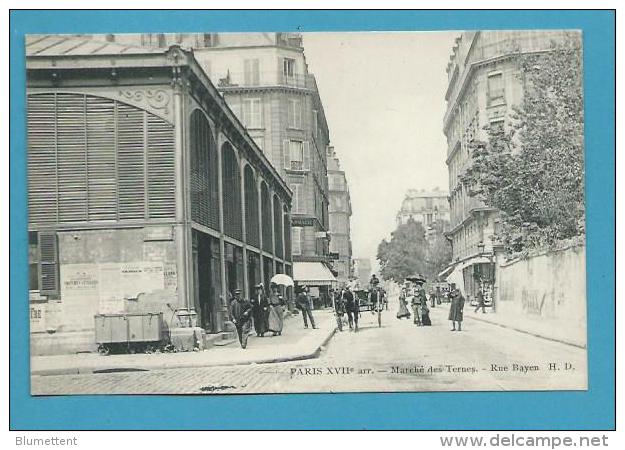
column 312, row 273
column 443, row 274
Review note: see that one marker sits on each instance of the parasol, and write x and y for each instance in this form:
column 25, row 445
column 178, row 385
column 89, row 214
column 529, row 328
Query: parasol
column 417, row 278
column 282, row 279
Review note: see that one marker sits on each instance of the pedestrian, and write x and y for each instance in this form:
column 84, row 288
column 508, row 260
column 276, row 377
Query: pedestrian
column 439, row 295
column 275, row 322
column 455, row 310
column 432, row 299
column 425, row 314
column 416, row 306
column 304, row 305
column 480, row 301
column 403, row 306
column 339, row 307
column 260, row 307
column 351, row 308
column 240, row 315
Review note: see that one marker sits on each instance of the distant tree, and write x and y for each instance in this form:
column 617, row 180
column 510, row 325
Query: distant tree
column 405, row 254
column 533, row 170
column 438, row 251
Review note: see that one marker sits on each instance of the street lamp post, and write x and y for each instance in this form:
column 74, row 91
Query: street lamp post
column 480, row 247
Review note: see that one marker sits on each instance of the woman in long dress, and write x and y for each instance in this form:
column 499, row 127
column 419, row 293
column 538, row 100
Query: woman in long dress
column 276, row 312
column 425, row 314
column 403, row 305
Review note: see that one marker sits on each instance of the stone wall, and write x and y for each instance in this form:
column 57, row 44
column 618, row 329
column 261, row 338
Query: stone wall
column 549, row 287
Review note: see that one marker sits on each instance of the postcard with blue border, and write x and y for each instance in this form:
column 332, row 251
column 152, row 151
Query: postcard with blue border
column 406, row 204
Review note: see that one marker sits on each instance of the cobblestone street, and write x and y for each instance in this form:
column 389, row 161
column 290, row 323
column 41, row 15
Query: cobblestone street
column 396, row 357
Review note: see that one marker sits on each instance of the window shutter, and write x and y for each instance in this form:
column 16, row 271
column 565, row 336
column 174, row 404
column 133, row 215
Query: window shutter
column 42, row 186
column 72, row 157
column 287, row 153
column 130, row 166
column 48, row 264
column 306, row 155
column 101, row 158
column 160, row 162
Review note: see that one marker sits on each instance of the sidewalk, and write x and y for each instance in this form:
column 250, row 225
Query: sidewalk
column 542, row 328
column 295, row 343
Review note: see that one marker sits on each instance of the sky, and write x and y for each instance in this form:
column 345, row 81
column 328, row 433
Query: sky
column 384, row 99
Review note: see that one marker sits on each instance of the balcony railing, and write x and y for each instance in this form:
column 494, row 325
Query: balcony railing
column 263, row 79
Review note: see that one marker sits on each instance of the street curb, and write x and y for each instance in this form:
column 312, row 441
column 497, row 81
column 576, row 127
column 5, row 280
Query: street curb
column 538, row 335
column 188, row 365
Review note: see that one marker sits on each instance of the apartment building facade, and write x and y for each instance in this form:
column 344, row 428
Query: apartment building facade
column 340, row 212
column 483, row 87
column 264, row 78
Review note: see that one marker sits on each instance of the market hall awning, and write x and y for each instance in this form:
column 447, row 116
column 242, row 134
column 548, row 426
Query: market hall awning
column 313, row 273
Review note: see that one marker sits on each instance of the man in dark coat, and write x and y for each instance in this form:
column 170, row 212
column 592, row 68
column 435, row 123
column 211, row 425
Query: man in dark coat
column 439, row 295
column 351, row 308
column 418, row 298
column 240, row 315
column 456, row 307
column 303, row 302
column 260, row 306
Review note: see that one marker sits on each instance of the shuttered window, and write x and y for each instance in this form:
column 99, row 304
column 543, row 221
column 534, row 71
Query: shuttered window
column 287, row 234
column 266, row 218
column 277, row 225
column 160, row 162
column 233, row 213
column 204, row 181
column 48, row 264
column 71, row 157
column 95, row 159
column 102, row 185
column 251, row 208
column 42, row 162
column 131, row 158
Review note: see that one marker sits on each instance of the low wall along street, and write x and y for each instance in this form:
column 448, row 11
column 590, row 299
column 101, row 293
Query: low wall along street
column 547, row 290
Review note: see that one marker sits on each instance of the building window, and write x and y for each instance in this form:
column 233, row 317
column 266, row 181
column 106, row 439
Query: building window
column 297, row 155
column 296, row 240
column 33, row 261
column 43, row 262
column 251, row 72
column 288, row 68
column 496, row 92
column 252, row 113
column 295, row 113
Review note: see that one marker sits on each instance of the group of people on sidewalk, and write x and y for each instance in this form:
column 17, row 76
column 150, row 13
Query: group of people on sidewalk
column 419, row 303
column 265, row 313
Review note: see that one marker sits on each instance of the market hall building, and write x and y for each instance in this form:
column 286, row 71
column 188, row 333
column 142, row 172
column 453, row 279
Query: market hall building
column 145, row 192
